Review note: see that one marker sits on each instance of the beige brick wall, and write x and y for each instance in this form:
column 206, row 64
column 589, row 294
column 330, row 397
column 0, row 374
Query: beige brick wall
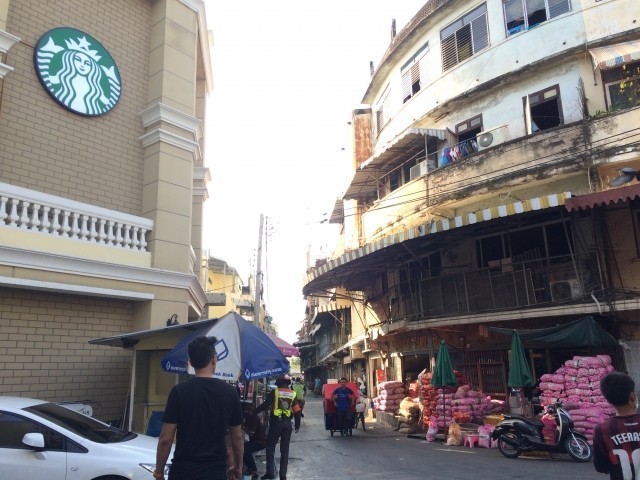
column 44, row 349
column 47, row 148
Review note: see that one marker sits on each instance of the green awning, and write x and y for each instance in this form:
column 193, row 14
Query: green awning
column 584, row 332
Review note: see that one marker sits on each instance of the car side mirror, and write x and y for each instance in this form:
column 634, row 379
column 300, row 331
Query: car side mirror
column 34, row 441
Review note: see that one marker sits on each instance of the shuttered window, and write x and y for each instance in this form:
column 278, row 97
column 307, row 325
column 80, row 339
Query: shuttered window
column 413, row 72
column 521, row 15
column 382, row 110
column 464, row 38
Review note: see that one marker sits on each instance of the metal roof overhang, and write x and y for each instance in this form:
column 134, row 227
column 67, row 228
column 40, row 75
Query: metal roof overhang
column 607, row 197
column 128, row 340
column 408, row 143
column 615, row 55
column 357, row 268
column 337, row 214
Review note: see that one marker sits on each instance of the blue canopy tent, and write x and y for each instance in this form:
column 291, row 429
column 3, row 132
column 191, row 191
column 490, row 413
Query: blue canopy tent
column 244, row 351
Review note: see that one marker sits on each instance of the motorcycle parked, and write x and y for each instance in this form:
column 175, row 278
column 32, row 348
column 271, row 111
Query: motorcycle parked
column 517, row 434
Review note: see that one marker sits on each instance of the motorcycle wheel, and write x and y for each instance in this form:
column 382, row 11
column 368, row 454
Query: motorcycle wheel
column 578, row 449
column 506, row 449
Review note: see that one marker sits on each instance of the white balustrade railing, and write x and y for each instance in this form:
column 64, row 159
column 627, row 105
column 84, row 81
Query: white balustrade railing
column 26, row 209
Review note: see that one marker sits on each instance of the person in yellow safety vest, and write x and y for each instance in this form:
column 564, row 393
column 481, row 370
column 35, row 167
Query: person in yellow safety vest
column 300, row 390
column 281, row 403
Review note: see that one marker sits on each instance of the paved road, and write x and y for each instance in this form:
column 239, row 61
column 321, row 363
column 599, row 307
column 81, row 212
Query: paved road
column 380, row 453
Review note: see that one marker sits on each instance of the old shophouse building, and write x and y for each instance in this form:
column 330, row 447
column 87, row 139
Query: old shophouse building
column 483, row 152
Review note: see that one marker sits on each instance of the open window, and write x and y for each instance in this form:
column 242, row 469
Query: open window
column 469, row 129
column 543, row 110
column 412, row 73
column 522, row 15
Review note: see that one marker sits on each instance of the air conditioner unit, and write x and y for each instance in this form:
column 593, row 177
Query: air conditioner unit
column 418, row 170
column 492, row 137
column 565, row 289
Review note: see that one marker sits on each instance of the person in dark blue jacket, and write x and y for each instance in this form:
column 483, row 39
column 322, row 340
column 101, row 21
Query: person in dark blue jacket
column 343, row 399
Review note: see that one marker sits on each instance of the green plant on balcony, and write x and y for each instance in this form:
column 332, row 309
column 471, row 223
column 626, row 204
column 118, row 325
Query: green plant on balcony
column 626, row 94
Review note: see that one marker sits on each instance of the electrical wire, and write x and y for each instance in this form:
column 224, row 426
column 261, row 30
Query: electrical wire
column 552, row 158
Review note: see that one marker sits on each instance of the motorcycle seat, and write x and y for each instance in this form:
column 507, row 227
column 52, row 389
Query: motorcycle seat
column 532, row 421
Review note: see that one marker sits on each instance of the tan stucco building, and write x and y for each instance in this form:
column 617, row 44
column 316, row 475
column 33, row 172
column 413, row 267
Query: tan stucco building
column 100, row 215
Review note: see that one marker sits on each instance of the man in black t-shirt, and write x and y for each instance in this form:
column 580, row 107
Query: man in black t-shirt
column 616, row 442
column 199, row 414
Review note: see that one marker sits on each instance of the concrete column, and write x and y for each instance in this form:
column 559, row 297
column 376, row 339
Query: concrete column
column 171, row 153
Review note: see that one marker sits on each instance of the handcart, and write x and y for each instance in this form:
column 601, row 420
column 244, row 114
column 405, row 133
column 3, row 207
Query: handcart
column 329, row 408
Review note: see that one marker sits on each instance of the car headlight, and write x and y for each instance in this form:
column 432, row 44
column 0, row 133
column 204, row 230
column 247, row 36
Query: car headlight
column 151, row 467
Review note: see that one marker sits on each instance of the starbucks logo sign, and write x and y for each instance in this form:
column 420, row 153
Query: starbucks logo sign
column 76, row 70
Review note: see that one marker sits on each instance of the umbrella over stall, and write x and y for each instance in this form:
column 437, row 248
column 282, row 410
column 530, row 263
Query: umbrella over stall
column 443, row 376
column 286, row 348
column 519, row 371
column 244, row 351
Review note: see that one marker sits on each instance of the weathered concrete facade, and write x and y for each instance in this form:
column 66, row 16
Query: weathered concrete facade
column 480, row 202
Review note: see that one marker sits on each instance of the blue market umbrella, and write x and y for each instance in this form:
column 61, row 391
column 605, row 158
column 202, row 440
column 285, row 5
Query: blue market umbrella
column 443, row 376
column 244, row 351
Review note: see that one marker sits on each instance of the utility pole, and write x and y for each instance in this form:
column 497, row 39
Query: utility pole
column 258, row 279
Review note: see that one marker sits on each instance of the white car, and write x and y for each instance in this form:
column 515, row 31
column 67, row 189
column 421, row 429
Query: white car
column 44, row 440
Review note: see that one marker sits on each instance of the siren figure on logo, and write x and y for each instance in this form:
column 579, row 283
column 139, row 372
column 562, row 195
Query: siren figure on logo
column 78, row 80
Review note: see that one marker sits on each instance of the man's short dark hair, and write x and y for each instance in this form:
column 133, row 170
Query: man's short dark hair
column 201, row 350
column 616, row 388
column 343, row 379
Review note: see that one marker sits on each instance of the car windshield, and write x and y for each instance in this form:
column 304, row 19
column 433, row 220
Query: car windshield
column 80, row 424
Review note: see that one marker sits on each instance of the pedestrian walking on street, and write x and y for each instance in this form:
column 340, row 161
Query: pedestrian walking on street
column 199, row 414
column 298, row 411
column 343, row 399
column 616, row 442
column 280, row 403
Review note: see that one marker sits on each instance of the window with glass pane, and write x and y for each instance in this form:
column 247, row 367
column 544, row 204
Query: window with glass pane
column 623, row 85
column 464, row 38
column 521, row 15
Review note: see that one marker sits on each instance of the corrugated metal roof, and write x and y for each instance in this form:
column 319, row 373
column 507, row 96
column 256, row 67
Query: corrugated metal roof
column 607, row 197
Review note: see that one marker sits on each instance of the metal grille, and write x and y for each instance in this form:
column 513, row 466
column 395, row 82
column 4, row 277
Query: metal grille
column 486, row 372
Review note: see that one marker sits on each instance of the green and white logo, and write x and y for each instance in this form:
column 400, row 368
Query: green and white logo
column 76, row 70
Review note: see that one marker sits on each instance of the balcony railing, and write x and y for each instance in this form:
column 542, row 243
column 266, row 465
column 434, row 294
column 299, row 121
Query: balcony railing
column 506, row 286
column 28, row 210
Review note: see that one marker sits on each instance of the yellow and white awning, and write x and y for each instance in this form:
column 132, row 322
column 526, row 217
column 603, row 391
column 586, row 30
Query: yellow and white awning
column 615, row 55
column 438, row 226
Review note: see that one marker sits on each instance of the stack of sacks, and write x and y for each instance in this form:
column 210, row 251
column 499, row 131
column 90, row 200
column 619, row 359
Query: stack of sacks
column 414, row 389
column 409, row 416
column 577, row 385
column 460, row 404
column 471, row 406
column 390, row 394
